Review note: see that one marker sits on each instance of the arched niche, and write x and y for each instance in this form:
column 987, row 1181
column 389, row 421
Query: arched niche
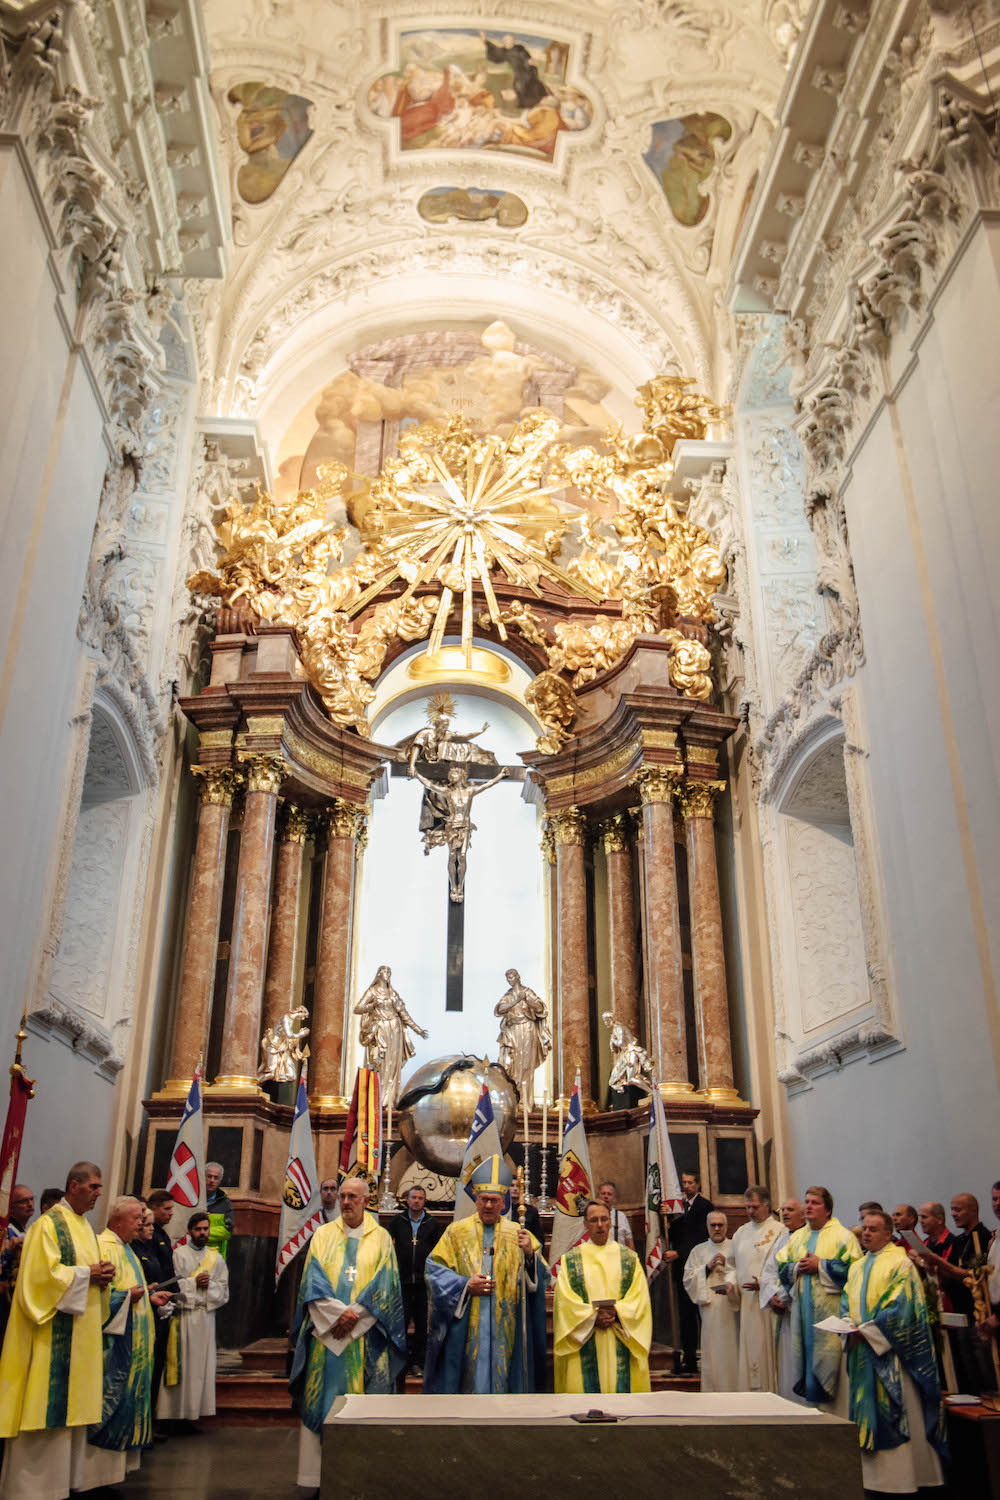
column 405, row 917
column 89, row 988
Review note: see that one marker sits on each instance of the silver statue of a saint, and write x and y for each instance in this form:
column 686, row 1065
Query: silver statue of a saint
column 630, row 1063
column 525, row 1040
column 449, row 805
column 281, row 1048
column 384, row 1023
column 439, row 742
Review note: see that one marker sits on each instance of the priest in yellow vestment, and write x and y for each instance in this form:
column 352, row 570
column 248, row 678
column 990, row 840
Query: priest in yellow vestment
column 350, row 1332
column 51, row 1368
column 603, row 1323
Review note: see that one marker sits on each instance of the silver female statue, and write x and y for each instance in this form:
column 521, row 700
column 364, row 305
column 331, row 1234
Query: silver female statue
column 525, row 1039
column 384, row 1021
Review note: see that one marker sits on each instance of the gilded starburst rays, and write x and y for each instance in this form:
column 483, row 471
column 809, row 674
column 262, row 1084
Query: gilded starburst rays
column 452, row 513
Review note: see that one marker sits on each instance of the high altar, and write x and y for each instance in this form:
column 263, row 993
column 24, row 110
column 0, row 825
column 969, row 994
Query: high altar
column 567, row 582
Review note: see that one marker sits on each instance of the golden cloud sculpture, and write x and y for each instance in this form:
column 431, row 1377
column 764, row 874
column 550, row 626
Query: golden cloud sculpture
column 459, row 513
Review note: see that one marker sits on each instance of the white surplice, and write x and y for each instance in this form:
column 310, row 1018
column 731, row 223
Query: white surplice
column 194, row 1396
column 749, row 1249
column 719, row 1317
column 770, row 1287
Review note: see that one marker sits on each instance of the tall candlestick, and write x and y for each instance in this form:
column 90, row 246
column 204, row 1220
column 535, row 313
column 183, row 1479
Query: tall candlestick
column 387, row 1202
column 524, row 1112
column 545, row 1119
column 543, row 1201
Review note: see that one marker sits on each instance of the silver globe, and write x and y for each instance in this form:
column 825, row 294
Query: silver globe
column 435, row 1128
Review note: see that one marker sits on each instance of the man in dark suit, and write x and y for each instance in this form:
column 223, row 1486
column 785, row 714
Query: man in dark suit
column 414, row 1234
column 532, row 1219
column 686, row 1231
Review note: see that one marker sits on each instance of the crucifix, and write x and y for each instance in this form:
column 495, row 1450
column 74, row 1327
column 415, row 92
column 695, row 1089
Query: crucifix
column 350, row 1272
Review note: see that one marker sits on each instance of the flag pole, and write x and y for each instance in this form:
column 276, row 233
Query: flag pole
column 22, row 1088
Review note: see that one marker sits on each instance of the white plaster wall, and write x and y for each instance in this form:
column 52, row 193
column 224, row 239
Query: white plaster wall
column 924, row 1122
column 51, row 466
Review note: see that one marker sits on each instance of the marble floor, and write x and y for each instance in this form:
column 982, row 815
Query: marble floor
column 223, row 1463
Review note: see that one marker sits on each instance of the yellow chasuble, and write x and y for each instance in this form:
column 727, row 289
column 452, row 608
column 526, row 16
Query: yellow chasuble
column 601, row 1359
column 51, row 1369
column 111, row 1248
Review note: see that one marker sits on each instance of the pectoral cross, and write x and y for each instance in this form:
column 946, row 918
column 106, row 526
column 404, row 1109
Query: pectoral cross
column 351, row 1272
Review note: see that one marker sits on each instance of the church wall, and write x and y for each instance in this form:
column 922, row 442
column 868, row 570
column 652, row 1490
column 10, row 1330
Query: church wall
column 929, row 611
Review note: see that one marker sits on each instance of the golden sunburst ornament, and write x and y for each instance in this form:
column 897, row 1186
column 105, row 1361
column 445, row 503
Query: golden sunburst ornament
column 454, row 506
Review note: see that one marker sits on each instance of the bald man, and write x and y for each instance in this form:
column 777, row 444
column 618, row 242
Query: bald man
column 971, row 1353
column 350, row 1332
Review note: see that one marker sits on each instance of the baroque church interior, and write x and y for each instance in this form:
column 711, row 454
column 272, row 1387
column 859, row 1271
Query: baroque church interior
column 620, row 374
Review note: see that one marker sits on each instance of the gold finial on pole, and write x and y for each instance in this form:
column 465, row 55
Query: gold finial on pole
column 522, row 1207
column 16, row 1067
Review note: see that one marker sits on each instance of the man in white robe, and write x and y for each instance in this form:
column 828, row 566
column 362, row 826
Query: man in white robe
column 748, row 1251
column 188, row 1389
column 705, row 1283
column 777, row 1301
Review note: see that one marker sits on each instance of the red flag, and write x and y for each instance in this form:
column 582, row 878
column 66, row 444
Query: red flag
column 22, row 1089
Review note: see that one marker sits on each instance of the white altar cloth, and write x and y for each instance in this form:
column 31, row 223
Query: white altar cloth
column 543, row 1408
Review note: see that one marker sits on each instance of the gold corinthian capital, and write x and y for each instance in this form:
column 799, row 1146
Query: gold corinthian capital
column 264, row 773
column 569, row 826
column 658, row 783
column 217, row 784
column 296, row 825
column 345, row 820
column 697, row 798
column 613, row 833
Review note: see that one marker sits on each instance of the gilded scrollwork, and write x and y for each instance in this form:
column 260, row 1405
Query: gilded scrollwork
column 455, row 514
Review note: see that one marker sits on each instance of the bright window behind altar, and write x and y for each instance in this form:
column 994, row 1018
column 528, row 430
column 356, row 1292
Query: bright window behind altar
column 404, row 896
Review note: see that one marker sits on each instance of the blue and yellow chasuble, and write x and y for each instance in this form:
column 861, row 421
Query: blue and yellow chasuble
column 817, row 1355
column 610, row 1359
column 127, row 1417
column 483, row 1350
column 885, row 1289
column 50, row 1369
column 363, row 1271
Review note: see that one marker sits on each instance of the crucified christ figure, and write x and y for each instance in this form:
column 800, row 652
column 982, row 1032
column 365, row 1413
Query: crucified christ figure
column 451, row 805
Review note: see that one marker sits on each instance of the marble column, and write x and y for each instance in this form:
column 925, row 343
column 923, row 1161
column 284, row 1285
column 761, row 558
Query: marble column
column 715, row 1052
column 248, row 945
column 621, row 922
column 201, row 935
column 551, row 888
column 570, row 830
column 286, row 929
column 345, row 824
column 668, row 1042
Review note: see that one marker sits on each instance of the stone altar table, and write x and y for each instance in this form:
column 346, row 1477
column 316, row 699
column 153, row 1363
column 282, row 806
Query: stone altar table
column 719, row 1446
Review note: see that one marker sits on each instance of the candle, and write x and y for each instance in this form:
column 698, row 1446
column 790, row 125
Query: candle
column 388, row 1128
column 545, row 1119
column 559, row 1142
column 524, row 1111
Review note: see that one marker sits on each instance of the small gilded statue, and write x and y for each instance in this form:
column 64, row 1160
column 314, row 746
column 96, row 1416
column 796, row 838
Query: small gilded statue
column 525, row 1040
column 281, row 1046
column 630, row 1063
column 384, row 1023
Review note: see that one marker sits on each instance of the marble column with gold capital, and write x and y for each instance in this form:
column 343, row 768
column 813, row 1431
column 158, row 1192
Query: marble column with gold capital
column 248, row 945
column 614, row 837
column 696, row 800
column 569, row 828
column 668, row 1034
column 345, row 825
column 217, row 786
column 294, row 832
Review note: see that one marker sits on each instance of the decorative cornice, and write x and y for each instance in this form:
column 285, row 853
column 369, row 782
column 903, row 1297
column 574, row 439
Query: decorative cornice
column 217, row 784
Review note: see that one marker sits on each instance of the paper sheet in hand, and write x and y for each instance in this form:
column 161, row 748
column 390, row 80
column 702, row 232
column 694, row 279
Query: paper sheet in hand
column 837, row 1325
column 914, row 1241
